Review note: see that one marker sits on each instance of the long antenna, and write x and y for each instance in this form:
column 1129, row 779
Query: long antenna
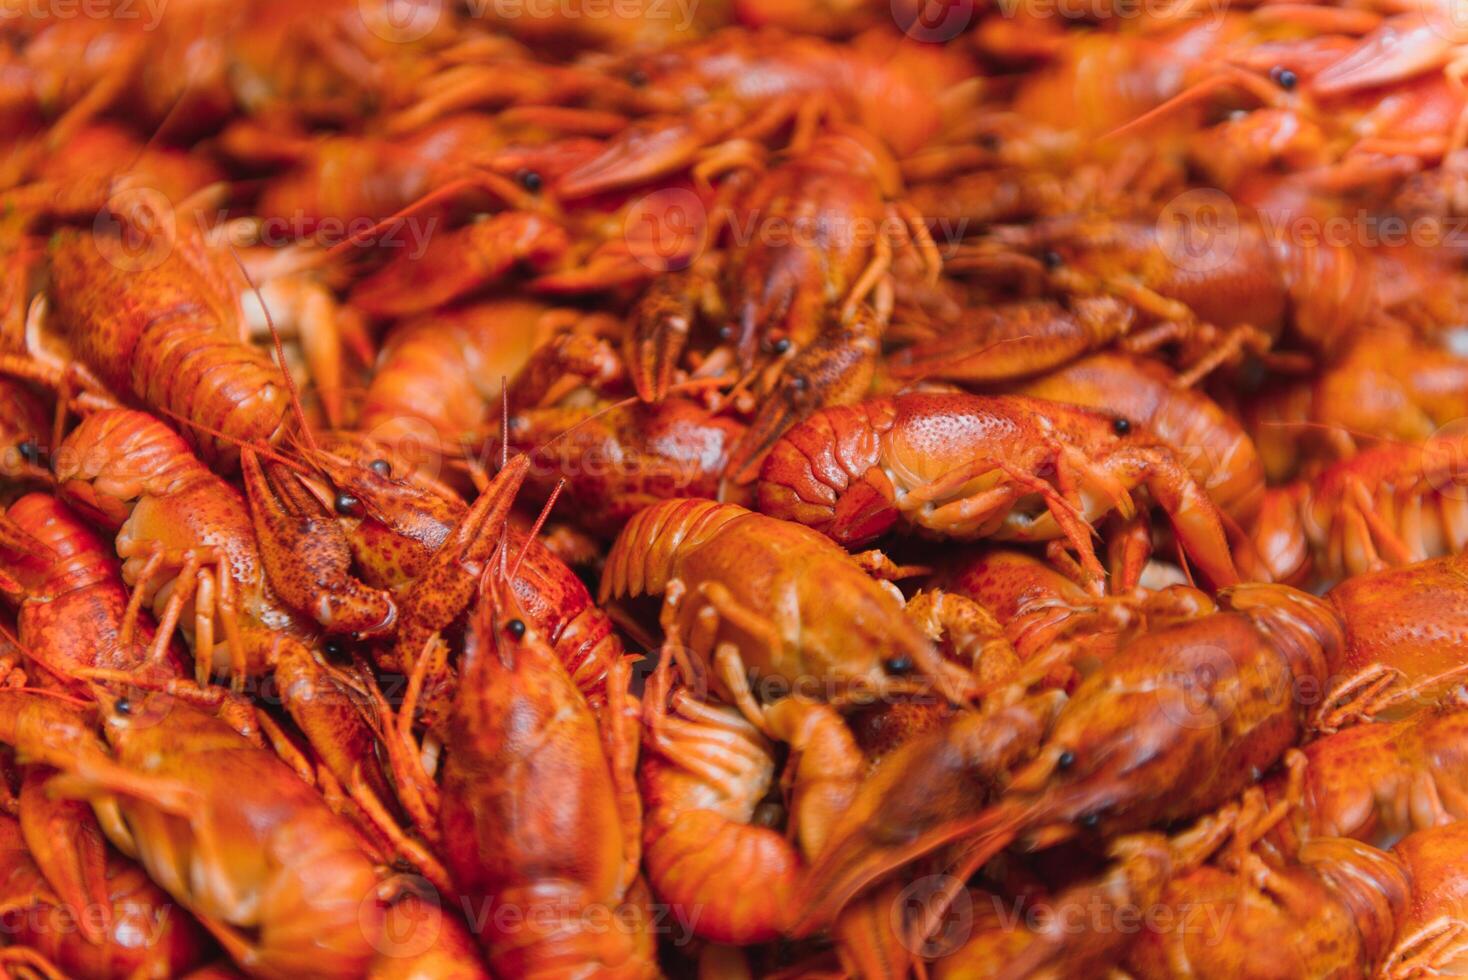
column 539, row 523
column 260, row 449
column 290, row 382
column 1231, row 75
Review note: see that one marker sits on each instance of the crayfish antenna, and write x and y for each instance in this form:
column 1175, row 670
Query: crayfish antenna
column 493, row 589
column 502, row 187
column 504, row 421
column 32, row 656
column 258, row 448
column 290, row 383
column 540, row 520
column 1254, row 84
column 1370, row 438
column 504, row 461
column 21, row 541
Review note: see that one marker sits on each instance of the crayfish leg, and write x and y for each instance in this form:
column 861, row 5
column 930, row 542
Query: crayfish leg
column 618, row 720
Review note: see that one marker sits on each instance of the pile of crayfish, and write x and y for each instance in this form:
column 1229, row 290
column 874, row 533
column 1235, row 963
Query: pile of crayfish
column 731, row 489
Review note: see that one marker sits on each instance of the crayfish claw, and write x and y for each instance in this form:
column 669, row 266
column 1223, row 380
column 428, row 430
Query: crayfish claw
column 661, row 325
column 306, row 554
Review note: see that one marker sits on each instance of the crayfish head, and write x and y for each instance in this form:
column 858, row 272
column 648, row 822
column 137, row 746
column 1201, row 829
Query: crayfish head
column 127, row 712
column 928, row 792
column 501, row 637
column 393, row 524
column 837, row 369
column 1110, row 759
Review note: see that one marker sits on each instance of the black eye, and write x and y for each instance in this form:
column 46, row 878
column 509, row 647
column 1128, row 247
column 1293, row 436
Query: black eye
column 797, row 382
column 530, row 180
column 345, row 503
column 897, row 666
column 515, row 628
column 780, row 346
column 123, row 706
column 1091, row 821
column 28, row 450
column 333, row 648
column 1121, row 426
column 637, row 78
column 726, row 332
column 1284, row 78
column 1065, row 760
column 1052, row 259
column 380, row 467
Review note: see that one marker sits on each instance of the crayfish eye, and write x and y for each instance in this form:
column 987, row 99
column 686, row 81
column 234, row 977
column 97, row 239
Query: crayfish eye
column 332, row 648
column 1091, row 821
column 1065, row 760
column 726, row 332
column 123, row 706
column 1284, row 78
column 781, row 345
column 898, row 666
column 530, row 180
column 1121, row 426
column 516, row 629
column 380, row 466
column 1052, row 259
column 28, row 450
column 345, row 503
column 798, row 383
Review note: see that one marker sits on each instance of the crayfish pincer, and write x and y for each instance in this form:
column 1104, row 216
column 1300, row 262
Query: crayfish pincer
column 1174, row 724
